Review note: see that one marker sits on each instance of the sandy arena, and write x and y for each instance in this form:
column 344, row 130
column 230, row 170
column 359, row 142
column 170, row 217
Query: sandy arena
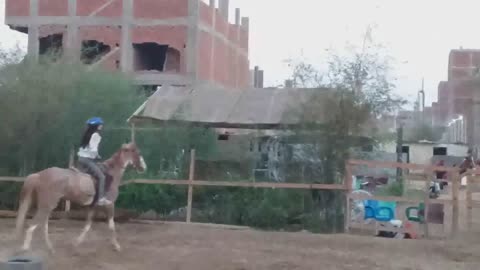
column 182, row 246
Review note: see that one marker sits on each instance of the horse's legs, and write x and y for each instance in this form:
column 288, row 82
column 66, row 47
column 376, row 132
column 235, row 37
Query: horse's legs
column 40, row 218
column 28, row 237
column 47, row 238
column 111, row 224
column 88, row 226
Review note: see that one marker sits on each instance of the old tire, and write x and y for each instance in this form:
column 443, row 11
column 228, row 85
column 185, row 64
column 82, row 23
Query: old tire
column 22, row 263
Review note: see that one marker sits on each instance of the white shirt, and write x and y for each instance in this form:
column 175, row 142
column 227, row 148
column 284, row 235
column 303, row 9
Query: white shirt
column 91, row 150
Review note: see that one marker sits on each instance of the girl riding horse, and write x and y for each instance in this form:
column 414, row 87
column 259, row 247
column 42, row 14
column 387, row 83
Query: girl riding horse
column 88, row 154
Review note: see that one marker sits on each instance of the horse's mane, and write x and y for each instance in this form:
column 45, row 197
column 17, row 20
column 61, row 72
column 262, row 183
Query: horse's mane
column 113, row 160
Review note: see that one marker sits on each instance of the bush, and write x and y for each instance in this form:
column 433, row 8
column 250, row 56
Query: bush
column 392, row 189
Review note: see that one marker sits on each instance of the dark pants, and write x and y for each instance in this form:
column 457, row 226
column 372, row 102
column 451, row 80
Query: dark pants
column 92, row 168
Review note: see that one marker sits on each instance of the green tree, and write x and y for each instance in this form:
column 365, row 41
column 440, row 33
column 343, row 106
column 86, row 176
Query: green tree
column 424, row 131
column 356, row 89
column 44, row 107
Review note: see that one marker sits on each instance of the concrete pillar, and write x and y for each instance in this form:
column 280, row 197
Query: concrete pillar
column 251, row 78
column 72, row 46
column 224, row 7
column 126, row 47
column 237, row 16
column 214, row 42
column 33, row 32
column 193, row 39
column 260, row 79
column 476, row 118
column 237, row 55
column 255, row 77
column 245, row 23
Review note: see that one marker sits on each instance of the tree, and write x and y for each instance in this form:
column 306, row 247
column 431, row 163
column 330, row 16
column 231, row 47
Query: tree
column 423, row 131
column 43, row 109
column 356, row 89
column 44, row 106
column 361, row 84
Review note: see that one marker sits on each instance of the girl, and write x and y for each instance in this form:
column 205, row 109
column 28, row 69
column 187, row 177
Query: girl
column 88, row 153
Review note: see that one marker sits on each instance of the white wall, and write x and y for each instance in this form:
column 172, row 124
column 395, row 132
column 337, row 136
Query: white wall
column 422, row 153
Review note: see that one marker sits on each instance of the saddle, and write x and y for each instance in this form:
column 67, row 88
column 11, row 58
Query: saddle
column 108, row 179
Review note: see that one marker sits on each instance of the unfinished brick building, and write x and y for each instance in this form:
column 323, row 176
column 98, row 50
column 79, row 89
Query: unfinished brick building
column 459, row 96
column 176, row 42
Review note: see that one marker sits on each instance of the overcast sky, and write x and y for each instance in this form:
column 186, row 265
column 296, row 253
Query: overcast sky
column 418, row 34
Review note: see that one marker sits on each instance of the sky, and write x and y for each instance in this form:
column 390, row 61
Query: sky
column 417, row 34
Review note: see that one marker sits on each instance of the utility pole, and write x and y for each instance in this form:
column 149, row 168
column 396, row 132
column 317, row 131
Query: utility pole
column 421, row 102
column 399, row 150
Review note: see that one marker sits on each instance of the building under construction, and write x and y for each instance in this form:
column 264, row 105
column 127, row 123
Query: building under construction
column 160, row 42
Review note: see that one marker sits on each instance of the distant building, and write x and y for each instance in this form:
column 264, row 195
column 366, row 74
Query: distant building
column 458, row 107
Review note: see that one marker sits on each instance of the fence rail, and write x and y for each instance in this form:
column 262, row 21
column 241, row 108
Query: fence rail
column 11, row 179
column 346, row 187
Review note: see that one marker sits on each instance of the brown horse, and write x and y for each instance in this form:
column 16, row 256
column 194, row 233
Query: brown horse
column 48, row 187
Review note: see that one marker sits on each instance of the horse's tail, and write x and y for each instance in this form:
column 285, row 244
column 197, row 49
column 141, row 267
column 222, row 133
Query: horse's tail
column 25, row 201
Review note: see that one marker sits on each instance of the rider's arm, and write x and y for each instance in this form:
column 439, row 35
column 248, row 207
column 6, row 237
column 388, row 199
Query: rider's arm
column 94, row 142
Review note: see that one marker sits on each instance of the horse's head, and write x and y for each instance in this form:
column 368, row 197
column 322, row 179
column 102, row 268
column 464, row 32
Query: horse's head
column 130, row 155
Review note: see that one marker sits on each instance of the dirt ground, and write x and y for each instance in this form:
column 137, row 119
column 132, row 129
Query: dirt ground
column 182, row 246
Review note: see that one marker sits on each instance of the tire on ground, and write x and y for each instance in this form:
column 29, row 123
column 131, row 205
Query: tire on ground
column 22, row 263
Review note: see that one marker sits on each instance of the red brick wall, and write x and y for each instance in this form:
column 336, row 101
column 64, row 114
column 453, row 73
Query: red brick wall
column 233, row 35
column 113, row 10
column 46, row 30
column 204, row 57
column 229, row 66
column 206, row 14
column 111, row 62
column 230, row 69
column 457, row 74
column 86, row 7
column 160, row 9
column 461, row 64
column 17, row 7
column 244, row 39
column 459, row 59
column 221, row 67
column 52, row 7
column 106, row 34
column 174, row 36
column 462, row 89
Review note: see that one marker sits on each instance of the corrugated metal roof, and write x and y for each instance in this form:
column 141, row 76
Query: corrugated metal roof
column 220, row 108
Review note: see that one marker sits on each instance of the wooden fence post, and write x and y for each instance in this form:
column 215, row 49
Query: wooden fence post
column 456, row 178
column 191, row 177
column 348, row 191
column 71, row 162
column 426, row 202
column 132, row 132
column 470, row 181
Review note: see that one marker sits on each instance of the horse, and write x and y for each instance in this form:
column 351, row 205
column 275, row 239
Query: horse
column 46, row 188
